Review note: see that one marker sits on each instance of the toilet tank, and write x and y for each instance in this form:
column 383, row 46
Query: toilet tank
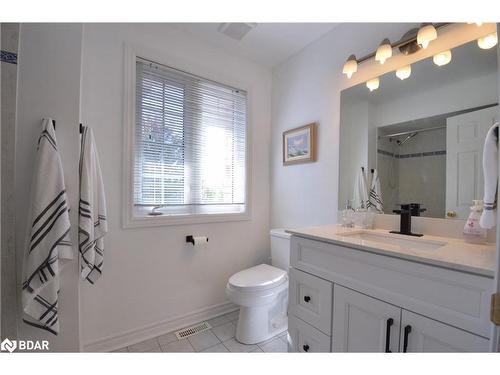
column 280, row 248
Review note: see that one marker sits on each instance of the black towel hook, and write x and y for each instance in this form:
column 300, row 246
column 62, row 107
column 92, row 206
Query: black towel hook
column 81, row 126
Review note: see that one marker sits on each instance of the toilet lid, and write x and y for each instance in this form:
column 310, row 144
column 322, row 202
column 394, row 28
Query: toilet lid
column 260, row 277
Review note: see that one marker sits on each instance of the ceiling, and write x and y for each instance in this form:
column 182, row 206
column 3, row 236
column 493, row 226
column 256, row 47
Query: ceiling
column 268, row 44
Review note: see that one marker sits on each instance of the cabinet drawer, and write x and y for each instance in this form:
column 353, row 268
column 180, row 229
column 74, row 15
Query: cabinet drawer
column 303, row 337
column 311, row 300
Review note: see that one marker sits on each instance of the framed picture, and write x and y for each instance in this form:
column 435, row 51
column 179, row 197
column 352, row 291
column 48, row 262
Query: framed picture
column 299, row 145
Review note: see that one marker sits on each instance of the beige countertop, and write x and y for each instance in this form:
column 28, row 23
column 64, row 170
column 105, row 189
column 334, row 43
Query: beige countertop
column 451, row 253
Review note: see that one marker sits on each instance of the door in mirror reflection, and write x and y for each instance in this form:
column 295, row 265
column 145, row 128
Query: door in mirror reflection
column 465, row 134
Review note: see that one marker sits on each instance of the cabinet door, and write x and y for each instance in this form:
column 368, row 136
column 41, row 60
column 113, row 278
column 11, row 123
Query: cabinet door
column 363, row 324
column 424, row 335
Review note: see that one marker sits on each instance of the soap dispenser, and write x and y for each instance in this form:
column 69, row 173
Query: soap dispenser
column 473, row 232
column 348, row 216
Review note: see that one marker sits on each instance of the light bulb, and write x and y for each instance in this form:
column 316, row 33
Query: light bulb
column 373, row 84
column 403, row 72
column 426, row 34
column 488, row 41
column 442, row 58
column 350, row 67
column 384, row 51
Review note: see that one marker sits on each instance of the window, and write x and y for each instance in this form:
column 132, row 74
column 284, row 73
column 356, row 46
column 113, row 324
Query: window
column 190, row 144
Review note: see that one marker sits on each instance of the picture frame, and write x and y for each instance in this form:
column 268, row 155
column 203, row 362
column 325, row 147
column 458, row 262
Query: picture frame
column 299, row 145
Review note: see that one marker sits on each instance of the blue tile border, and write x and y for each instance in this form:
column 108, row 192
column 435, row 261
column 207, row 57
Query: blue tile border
column 386, row 153
column 416, row 155
column 8, row 57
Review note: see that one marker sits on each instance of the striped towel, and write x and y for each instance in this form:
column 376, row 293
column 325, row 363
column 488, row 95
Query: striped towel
column 375, row 198
column 360, row 194
column 48, row 246
column 92, row 225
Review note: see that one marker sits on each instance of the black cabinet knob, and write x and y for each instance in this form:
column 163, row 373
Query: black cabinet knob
column 305, row 347
column 307, row 299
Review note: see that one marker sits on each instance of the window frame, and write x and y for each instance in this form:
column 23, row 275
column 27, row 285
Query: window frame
column 133, row 217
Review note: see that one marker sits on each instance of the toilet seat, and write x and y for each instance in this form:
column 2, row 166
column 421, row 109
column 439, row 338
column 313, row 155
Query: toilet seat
column 258, row 278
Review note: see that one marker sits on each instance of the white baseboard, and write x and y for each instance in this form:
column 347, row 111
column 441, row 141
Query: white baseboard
column 134, row 336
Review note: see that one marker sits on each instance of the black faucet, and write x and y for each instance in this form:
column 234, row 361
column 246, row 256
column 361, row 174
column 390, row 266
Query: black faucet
column 406, row 212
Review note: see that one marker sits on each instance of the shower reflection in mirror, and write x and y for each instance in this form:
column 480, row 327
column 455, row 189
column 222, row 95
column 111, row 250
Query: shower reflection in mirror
column 424, row 136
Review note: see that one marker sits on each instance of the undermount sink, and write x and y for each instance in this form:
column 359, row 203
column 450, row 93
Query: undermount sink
column 395, row 240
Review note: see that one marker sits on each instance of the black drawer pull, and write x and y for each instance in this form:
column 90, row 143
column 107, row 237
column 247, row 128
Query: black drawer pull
column 405, row 341
column 389, row 323
column 307, row 299
column 305, row 347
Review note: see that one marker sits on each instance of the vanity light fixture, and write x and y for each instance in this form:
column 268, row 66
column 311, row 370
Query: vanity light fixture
column 403, row 72
column 488, row 41
column 411, row 42
column 350, row 66
column 426, row 34
column 442, row 58
column 384, row 51
column 373, row 84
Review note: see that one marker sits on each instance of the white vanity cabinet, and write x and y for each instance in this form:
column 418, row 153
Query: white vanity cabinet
column 367, row 302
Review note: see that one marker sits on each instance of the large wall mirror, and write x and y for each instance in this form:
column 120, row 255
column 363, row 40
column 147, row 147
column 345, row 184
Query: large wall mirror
column 424, row 135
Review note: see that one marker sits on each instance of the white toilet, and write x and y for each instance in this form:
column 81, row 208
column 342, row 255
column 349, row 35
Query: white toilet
column 262, row 294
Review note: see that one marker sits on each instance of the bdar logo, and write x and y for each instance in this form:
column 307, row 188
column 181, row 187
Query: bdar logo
column 8, row 345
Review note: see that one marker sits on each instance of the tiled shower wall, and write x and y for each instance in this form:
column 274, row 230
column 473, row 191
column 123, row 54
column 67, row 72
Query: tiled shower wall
column 417, row 173
column 388, row 171
column 8, row 58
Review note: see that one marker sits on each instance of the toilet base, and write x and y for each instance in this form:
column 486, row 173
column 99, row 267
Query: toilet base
column 257, row 324
column 254, row 326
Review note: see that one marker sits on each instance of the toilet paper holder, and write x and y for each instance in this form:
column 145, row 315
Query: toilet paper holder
column 190, row 239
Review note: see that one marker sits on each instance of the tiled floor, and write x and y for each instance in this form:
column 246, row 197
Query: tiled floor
column 218, row 339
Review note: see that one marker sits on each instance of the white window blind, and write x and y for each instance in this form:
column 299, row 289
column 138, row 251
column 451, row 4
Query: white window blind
column 190, row 145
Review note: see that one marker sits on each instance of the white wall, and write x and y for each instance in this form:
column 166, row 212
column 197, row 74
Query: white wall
column 49, row 86
column 307, row 88
column 353, row 154
column 150, row 275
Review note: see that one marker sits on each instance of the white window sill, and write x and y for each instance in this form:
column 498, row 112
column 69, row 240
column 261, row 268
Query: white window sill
column 141, row 219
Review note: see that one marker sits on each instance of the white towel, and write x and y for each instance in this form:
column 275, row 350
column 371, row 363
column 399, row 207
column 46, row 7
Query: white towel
column 490, row 169
column 92, row 225
column 48, row 246
column 375, row 198
column 360, row 195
